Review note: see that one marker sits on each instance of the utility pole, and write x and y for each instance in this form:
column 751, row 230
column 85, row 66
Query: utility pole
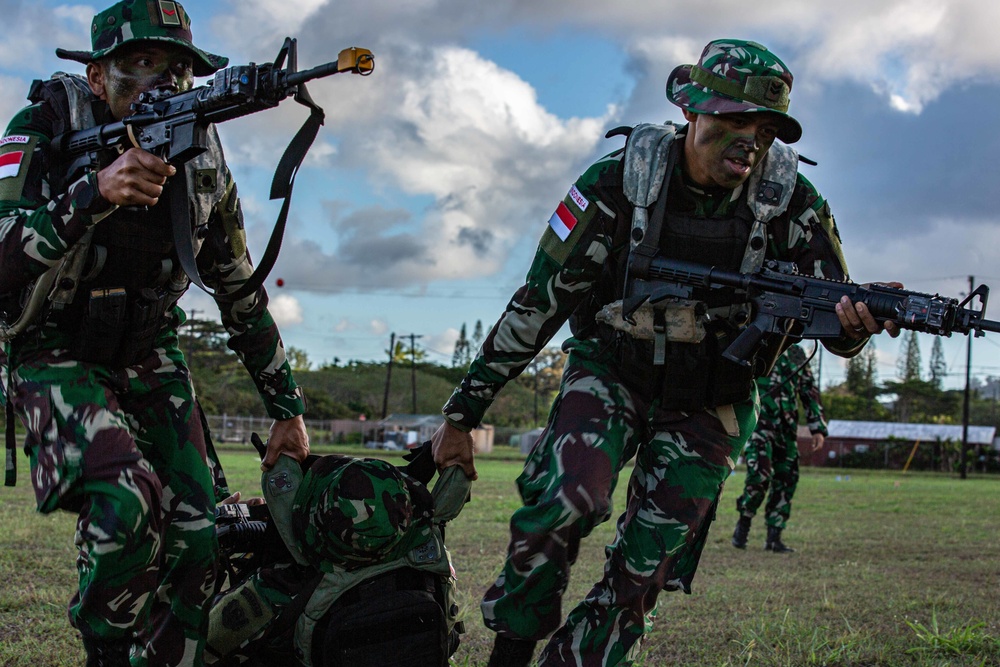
column 413, row 368
column 388, row 375
column 965, row 403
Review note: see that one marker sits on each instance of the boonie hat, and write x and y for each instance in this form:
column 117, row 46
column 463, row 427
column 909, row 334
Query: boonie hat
column 351, row 512
column 736, row 76
column 144, row 20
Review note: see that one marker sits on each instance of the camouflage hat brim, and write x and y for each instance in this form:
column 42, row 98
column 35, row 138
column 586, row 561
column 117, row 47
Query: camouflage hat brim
column 204, row 63
column 697, row 97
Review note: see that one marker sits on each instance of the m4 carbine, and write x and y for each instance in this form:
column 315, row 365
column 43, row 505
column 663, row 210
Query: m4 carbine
column 784, row 302
column 174, row 126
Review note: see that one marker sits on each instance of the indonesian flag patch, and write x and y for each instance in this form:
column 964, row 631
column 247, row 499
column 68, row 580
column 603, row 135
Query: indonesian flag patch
column 562, row 221
column 10, row 164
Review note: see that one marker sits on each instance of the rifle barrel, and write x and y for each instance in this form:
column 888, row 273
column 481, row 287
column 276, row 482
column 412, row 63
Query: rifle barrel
column 988, row 325
column 295, row 78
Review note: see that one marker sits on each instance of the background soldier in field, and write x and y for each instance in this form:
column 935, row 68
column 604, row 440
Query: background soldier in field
column 719, row 191
column 94, row 369
column 772, row 454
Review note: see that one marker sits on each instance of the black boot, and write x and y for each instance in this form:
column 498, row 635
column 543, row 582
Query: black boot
column 107, row 652
column 742, row 532
column 508, row 652
column 774, row 542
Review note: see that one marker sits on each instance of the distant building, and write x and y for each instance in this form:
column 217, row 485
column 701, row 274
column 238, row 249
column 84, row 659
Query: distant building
column 411, row 430
column 888, row 438
column 528, row 439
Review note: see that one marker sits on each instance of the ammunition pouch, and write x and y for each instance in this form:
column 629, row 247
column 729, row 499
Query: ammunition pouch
column 118, row 329
column 672, row 351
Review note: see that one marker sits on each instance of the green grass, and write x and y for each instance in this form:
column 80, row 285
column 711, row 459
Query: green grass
column 890, row 570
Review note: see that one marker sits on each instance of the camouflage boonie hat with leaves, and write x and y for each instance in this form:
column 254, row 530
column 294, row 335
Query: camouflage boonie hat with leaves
column 350, row 513
column 736, row 76
column 144, row 20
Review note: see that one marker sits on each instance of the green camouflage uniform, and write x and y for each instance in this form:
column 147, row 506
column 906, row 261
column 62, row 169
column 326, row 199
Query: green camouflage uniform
column 124, row 445
column 603, row 417
column 772, row 454
column 598, row 422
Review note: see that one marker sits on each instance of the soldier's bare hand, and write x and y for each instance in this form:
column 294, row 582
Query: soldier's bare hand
column 289, row 437
column 452, row 447
column 136, row 178
column 858, row 322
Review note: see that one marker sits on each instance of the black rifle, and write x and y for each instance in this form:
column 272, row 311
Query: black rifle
column 784, row 302
column 175, row 126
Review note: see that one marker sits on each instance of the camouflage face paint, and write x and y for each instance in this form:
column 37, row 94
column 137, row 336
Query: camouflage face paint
column 721, row 150
column 133, row 71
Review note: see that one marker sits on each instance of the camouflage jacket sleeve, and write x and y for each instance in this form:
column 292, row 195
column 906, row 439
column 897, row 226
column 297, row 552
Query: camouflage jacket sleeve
column 808, row 394
column 807, row 235
column 37, row 224
column 225, row 266
column 566, row 265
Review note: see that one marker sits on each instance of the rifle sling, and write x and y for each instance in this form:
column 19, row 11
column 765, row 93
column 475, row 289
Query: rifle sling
column 281, row 187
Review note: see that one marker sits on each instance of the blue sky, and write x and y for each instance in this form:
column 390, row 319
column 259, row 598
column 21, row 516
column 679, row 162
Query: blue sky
column 425, row 194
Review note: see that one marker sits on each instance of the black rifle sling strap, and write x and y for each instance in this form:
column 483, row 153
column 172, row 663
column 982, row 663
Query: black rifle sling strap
column 281, row 187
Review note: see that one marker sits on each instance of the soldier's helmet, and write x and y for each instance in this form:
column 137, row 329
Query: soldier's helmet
column 736, row 76
column 144, row 20
column 350, row 512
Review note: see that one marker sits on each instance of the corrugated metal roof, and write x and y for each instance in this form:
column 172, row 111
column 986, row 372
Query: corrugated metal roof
column 840, row 428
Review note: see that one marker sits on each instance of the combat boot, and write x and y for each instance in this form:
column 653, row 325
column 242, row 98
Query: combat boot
column 742, row 532
column 774, row 542
column 107, row 652
column 510, row 652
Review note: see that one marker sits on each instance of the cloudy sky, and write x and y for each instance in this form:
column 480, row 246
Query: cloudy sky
column 427, row 190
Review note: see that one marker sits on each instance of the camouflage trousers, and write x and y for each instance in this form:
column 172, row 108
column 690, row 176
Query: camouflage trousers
column 772, row 463
column 125, row 449
column 597, row 424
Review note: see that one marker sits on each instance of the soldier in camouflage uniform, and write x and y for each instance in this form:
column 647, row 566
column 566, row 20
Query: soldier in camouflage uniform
column 114, row 432
column 772, row 454
column 676, row 405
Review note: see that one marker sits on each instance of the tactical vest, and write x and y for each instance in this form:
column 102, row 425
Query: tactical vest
column 672, row 350
column 116, row 283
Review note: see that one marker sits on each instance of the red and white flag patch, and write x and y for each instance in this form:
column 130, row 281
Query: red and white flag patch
column 562, row 221
column 10, row 164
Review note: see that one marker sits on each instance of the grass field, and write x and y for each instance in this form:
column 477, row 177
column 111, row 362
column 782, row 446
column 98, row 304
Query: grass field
column 890, row 570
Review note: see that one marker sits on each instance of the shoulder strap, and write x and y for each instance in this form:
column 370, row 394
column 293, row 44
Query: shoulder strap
column 769, row 191
column 70, row 97
column 649, row 160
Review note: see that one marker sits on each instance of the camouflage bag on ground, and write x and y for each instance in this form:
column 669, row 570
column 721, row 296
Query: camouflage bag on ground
column 345, row 565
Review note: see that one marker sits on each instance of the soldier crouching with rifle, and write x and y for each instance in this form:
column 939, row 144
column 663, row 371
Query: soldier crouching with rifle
column 719, row 191
column 89, row 271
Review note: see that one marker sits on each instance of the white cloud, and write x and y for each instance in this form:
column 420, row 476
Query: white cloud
column 285, row 309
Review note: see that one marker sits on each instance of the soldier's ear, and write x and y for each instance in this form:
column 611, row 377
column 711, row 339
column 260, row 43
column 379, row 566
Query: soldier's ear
column 95, row 77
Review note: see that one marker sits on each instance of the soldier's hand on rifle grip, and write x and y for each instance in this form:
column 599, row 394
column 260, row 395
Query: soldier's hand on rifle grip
column 450, row 446
column 135, row 178
column 859, row 323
